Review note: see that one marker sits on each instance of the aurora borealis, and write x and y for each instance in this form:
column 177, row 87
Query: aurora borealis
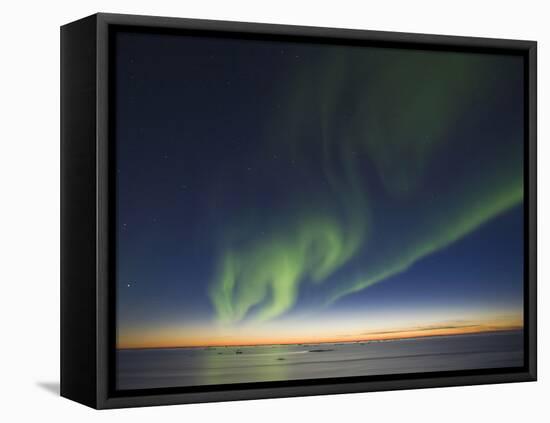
column 277, row 191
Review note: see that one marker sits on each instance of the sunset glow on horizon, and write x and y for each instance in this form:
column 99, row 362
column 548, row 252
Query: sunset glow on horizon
column 288, row 333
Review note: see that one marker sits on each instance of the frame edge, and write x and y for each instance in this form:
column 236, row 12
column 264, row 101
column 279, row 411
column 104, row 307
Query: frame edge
column 78, row 216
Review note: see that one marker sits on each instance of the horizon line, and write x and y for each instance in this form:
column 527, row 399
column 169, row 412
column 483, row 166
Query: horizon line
column 354, row 341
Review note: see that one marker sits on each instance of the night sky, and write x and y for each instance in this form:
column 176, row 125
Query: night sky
column 271, row 190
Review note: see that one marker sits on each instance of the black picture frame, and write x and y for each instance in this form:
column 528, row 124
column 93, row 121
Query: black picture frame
column 87, row 194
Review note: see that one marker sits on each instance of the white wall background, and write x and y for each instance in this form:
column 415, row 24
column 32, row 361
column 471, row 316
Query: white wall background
column 29, row 221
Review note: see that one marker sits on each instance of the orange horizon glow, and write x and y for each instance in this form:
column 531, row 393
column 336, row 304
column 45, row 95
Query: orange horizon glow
column 195, row 337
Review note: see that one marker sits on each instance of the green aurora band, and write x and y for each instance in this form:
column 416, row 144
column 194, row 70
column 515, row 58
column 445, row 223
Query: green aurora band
column 379, row 123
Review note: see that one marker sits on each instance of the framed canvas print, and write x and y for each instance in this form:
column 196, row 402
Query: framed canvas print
column 255, row 211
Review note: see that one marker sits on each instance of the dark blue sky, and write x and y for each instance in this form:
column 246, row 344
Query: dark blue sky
column 260, row 180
